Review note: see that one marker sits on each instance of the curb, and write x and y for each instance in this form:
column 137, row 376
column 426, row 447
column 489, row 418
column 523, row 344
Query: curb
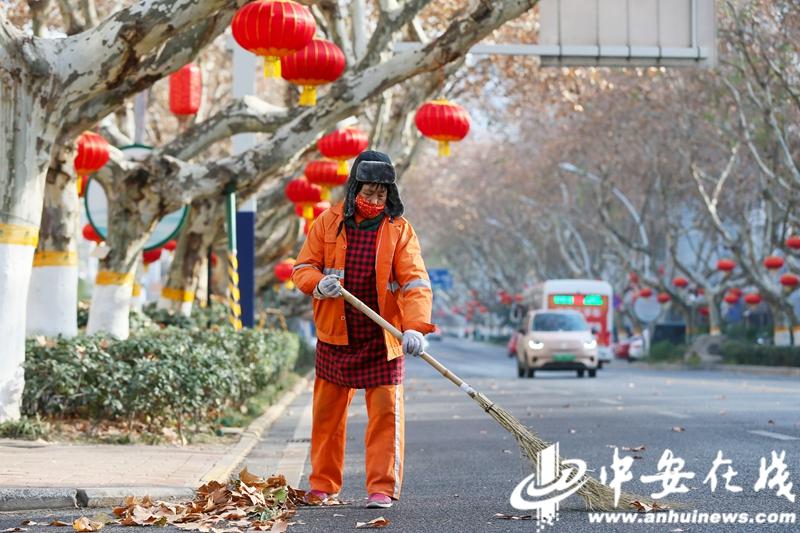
column 37, row 499
column 735, row 369
column 225, row 466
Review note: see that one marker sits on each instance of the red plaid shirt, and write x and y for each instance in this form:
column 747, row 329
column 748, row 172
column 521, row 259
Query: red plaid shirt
column 362, row 363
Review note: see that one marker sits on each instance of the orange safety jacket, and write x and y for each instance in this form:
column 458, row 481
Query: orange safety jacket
column 404, row 289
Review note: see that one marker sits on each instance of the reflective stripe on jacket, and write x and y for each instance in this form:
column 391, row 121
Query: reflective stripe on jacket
column 404, row 289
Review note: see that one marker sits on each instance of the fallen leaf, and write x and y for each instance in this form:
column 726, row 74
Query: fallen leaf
column 506, row 451
column 279, row 526
column 644, row 507
column 337, row 514
column 637, row 457
column 15, row 529
column 58, row 523
column 373, row 524
column 29, row 523
column 634, row 448
column 573, row 431
column 502, row 516
column 84, row 524
column 678, row 429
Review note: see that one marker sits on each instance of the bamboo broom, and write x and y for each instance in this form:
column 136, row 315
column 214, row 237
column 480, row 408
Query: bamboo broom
column 596, row 495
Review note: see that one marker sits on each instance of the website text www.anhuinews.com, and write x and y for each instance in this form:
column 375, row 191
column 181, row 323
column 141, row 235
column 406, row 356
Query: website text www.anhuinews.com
column 692, row 517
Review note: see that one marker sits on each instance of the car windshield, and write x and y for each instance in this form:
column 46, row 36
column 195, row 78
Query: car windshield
column 558, row 322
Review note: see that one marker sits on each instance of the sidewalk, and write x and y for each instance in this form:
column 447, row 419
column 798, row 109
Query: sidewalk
column 39, row 475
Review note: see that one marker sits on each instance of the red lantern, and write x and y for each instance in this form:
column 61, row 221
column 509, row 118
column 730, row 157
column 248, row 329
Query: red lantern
column 318, row 63
column 704, row 311
column 283, row 270
column 726, row 265
column 793, row 242
column 752, row 298
column 789, row 281
column 342, row 145
column 325, row 173
column 647, row 292
column 92, row 155
column 303, row 193
column 442, row 121
column 663, row 297
column 151, row 256
column 773, row 262
column 732, row 297
column 273, row 30
column 90, row 234
column 680, row 282
column 185, row 90
column 171, row 245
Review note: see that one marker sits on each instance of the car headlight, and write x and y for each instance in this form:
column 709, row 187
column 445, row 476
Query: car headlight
column 590, row 345
column 533, row 345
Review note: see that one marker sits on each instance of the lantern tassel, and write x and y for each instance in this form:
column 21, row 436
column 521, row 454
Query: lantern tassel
column 80, row 185
column 289, row 285
column 444, row 148
column 308, row 97
column 272, row 67
column 326, row 193
column 308, row 211
column 342, row 170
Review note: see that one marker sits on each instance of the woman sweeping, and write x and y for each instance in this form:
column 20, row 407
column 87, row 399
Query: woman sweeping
column 366, row 245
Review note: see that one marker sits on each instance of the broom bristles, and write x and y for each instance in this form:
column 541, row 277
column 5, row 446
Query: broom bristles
column 597, row 496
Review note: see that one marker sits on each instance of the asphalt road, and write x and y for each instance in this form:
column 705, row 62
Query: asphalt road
column 461, row 466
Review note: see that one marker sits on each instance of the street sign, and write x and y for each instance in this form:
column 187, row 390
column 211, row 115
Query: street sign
column 440, row 278
column 96, row 203
column 647, row 309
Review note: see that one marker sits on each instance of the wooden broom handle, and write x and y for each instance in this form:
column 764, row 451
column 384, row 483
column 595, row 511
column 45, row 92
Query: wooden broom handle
column 382, row 322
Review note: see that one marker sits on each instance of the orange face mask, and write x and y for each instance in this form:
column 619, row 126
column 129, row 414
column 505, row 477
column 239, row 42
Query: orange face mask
column 366, row 209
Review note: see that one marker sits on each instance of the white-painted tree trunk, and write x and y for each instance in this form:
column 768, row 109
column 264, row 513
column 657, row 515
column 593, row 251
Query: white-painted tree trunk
column 53, row 301
column 14, row 278
column 110, row 310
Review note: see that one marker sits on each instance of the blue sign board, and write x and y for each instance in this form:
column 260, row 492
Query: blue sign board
column 440, row 278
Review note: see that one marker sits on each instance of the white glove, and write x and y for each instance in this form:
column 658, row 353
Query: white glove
column 328, row 287
column 413, row 342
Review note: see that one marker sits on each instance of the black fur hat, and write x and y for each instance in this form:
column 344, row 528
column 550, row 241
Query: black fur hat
column 377, row 168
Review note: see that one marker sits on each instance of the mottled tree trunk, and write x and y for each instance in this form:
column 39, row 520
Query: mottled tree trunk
column 53, row 291
column 27, row 131
column 133, row 213
column 190, row 264
column 714, row 317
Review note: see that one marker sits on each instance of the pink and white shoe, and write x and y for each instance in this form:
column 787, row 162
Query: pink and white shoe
column 379, row 500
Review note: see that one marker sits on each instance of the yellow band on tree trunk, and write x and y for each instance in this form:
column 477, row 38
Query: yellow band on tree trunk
column 21, row 235
column 106, row 277
column 177, row 295
column 47, row 258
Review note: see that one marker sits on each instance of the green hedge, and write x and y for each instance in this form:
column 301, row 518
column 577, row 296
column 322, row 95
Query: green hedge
column 666, row 352
column 742, row 353
column 163, row 377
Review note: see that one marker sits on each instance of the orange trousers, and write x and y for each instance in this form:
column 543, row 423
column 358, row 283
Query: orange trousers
column 384, row 438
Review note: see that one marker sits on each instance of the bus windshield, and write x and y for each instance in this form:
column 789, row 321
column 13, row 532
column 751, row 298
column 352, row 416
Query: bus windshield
column 559, row 322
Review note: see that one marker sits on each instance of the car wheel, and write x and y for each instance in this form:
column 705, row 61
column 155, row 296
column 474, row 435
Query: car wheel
column 593, row 373
column 531, row 372
column 520, row 369
column 580, row 373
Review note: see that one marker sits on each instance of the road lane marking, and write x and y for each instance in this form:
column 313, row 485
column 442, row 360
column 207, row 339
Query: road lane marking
column 673, row 414
column 609, row 401
column 772, row 435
